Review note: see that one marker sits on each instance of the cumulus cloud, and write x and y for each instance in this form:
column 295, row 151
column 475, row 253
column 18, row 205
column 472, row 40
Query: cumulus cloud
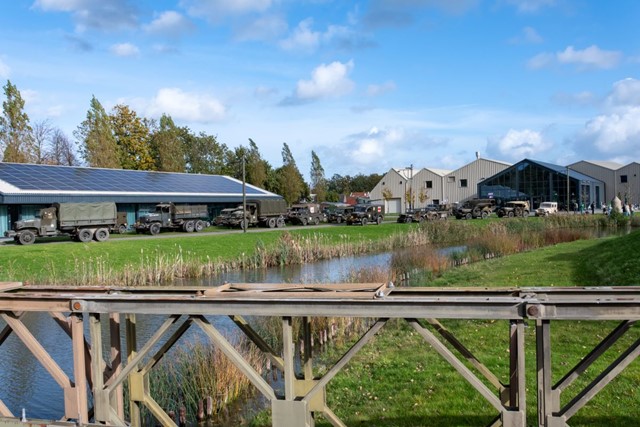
column 187, row 106
column 265, row 27
column 91, row 14
column 4, row 70
column 216, row 10
column 530, row 6
column 327, row 81
column 518, row 144
column 170, row 23
column 125, row 49
column 303, row 38
column 371, row 147
column 615, row 133
column 591, row 57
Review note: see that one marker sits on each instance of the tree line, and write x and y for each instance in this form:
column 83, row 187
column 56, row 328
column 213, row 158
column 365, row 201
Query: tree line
column 121, row 139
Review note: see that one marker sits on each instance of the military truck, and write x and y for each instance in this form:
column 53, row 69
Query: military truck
column 442, row 211
column 169, row 216
column 412, row 215
column 264, row 213
column 513, row 209
column 366, row 214
column 475, row 208
column 339, row 214
column 305, row 214
column 81, row 221
column 224, row 215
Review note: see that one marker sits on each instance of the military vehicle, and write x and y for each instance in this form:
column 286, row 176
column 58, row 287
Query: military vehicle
column 366, row 214
column 221, row 219
column 81, row 221
column 169, row 216
column 513, row 209
column 305, row 213
column 121, row 223
column 475, row 208
column 442, row 211
column 547, row 208
column 412, row 215
column 265, row 213
column 339, row 215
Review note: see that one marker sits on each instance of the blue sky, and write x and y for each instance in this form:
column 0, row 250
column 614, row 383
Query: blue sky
column 368, row 85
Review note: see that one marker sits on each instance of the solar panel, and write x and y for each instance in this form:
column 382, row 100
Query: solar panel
column 34, row 178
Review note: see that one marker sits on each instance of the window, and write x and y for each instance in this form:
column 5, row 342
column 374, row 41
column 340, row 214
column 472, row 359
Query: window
column 428, row 184
column 623, row 179
column 451, row 179
column 463, row 183
column 382, row 182
column 400, row 182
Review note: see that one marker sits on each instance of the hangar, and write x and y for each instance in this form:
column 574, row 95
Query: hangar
column 26, row 188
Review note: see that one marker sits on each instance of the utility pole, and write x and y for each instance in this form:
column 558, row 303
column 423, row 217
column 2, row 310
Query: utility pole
column 567, row 189
column 244, row 198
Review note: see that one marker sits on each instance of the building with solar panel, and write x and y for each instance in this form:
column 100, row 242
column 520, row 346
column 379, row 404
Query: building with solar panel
column 26, row 188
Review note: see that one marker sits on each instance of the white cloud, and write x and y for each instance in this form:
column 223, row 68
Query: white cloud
column 215, row 10
column 303, row 38
column 530, row 6
column 104, row 15
column 528, row 35
column 625, row 93
column 376, row 90
column 5, row 71
column 170, row 23
column 326, row 81
column 187, row 106
column 591, row 57
column 372, row 147
column 518, row 144
column 124, row 49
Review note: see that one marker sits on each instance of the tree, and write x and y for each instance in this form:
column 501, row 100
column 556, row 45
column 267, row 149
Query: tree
column 290, row 183
column 42, row 134
column 318, row 181
column 95, row 138
column 61, row 150
column 167, row 146
column 132, row 137
column 203, row 153
column 257, row 168
column 16, row 135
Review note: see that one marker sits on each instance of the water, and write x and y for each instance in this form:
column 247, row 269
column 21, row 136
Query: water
column 24, row 383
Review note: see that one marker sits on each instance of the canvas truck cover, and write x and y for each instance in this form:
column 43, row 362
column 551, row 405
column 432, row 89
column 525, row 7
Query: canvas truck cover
column 191, row 211
column 74, row 214
column 271, row 207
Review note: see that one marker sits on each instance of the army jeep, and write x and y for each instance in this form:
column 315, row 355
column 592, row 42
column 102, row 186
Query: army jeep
column 514, row 209
column 476, row 208
column 366, row 214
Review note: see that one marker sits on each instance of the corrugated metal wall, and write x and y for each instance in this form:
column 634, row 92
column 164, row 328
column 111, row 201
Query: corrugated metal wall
column 473, row 173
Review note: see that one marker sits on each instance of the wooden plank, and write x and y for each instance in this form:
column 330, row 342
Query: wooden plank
column 10, row 286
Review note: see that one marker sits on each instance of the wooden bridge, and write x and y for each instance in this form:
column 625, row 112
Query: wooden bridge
column 94, row 395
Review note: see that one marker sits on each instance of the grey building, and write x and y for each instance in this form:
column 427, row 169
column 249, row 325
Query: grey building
column 26, row 188
column 620, row 180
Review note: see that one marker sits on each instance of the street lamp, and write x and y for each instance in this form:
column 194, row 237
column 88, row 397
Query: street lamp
column 244, row 198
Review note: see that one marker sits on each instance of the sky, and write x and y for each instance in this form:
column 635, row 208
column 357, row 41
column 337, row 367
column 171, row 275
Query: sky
column 368, row 85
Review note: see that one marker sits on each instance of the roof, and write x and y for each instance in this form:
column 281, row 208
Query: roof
column 603, row 164
column 441, row 172
column 563, row 170
column 19, row 179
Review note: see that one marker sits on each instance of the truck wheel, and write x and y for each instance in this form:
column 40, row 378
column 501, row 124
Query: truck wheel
column 365, row 221
column 469, row 216
column 85, row 235
column 316, row 221
column 26, row 237
column 101, row 235
column 198, row 226
column 280, row 223
column 122, row 229
column 510, row 214
column 244, row 224
column 484, row 214
column 303, row 221
column 525, row 214
column 339, row 219
column 379, row 220
column 154, row 229
column 272, row 223
column 188, row 226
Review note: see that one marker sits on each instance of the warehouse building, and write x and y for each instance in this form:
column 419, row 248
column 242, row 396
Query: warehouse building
column 402, row 189
column 26, row 188
column 538, row 182
column 622, row 181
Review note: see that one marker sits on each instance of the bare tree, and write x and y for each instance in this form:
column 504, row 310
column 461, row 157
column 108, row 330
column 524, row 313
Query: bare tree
column 61, row 150
column 42, row 134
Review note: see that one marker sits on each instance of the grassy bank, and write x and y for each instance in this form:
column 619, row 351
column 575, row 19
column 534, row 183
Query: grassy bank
column 398, row 380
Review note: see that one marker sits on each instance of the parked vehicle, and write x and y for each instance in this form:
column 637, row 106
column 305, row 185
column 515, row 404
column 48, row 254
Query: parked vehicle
column 339, row 215
column 443, row 211
column 122, row 224
column 412, row 215
column 169, row 216
column 224, row 216
column 264, row 213
column 475, row 208
column 305, row 213
column 366, row 214
column 81, row 221
column 547, row 208
column 514, row 209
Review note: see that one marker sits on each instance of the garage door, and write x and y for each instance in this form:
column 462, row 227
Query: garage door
column 392, row 206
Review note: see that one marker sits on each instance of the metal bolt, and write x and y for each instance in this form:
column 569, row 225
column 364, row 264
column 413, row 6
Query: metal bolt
column 533, row 310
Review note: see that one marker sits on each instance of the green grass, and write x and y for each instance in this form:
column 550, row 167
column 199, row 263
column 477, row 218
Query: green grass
column 397, row 380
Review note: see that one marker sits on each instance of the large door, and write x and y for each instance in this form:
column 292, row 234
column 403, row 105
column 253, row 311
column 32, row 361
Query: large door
column 393, row 206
